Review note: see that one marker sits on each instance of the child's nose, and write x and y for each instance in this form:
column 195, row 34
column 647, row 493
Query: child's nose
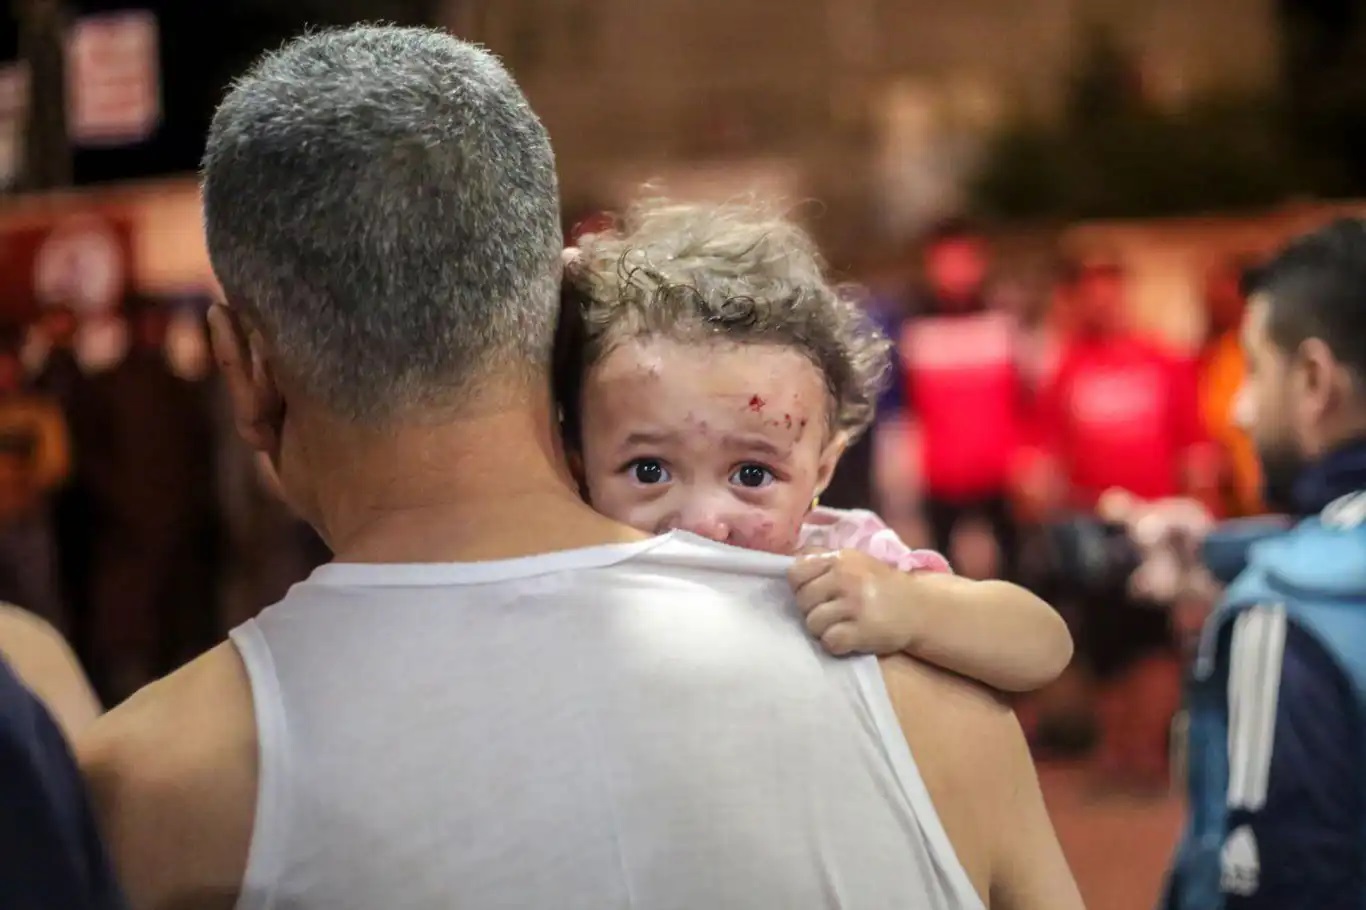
column 711, row 527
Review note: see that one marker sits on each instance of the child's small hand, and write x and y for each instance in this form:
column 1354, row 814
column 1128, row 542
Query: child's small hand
column 850, row 601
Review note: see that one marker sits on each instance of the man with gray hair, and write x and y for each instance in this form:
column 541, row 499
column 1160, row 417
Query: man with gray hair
column 496, row 697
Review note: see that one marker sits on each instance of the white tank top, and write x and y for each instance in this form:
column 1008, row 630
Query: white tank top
column 636, row 726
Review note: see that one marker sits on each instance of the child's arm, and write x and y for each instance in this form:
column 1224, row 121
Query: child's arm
column 992, row 631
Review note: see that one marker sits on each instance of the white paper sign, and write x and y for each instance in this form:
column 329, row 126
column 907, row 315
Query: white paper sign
column 113, row 78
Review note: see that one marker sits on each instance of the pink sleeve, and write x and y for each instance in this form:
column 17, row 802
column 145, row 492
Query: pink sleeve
column 858, row 529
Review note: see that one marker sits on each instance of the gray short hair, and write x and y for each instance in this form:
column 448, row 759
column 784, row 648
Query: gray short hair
column 382, row 204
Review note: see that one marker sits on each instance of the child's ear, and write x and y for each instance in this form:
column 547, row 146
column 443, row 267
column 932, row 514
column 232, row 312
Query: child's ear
column 830, row 458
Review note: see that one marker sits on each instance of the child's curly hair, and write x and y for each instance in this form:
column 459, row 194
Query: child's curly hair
column 734, row 272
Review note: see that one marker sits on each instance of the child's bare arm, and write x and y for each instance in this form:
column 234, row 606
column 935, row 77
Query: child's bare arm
column 992, row 631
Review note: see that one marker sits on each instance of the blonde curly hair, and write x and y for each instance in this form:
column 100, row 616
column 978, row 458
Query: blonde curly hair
column 734, row 272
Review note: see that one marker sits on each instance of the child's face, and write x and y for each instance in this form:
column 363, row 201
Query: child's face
column 727, row 441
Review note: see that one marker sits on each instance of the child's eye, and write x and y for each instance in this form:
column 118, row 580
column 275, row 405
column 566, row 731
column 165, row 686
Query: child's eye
column 752, row 476
column 648, row 471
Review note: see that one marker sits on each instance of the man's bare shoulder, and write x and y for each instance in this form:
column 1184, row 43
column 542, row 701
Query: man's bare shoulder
column 922, row 687
column 172, row 773
column 975, row 763
column 960, row 733
column 959, row 730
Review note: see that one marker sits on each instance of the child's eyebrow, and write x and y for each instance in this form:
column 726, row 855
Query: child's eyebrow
column 756, row 445
column 650, row 438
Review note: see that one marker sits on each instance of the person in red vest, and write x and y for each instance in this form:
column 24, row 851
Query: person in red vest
column 1121, row 412
column 1223, row 368
column 957, row 378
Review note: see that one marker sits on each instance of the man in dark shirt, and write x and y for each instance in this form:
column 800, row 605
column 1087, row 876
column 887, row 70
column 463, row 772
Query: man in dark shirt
column 1277, row 746
column 50, row 853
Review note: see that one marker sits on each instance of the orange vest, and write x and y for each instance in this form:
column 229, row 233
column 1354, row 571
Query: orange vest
column 1220, row 379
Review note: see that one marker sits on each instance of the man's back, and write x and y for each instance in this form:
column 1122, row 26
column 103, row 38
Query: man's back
column 639, row 725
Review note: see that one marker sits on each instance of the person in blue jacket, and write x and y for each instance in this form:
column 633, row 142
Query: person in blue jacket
column 1277, row 698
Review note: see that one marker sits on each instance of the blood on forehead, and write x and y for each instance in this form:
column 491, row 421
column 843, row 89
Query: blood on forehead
column 792, row 418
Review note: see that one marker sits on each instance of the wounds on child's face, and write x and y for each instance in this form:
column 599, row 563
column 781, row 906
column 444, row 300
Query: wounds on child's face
column 721, row 440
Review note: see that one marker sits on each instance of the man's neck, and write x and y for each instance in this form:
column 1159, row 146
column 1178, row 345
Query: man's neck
column 1337, row 472
column 487, row 487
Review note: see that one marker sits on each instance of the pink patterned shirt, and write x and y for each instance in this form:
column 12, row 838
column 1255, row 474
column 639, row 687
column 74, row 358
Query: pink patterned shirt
column 859, row 529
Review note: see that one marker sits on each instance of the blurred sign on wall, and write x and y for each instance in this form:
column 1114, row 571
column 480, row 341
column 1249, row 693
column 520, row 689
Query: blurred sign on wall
column 113, row 78
column 84, row 260
column 58, row 244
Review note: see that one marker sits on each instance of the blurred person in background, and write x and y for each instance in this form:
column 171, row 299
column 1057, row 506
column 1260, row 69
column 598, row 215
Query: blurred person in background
column 51, row 355
column 956, row 392
column 1120, row 412
column 35, row 459
column 1222, row 370
column 50, row 352
column 1058, row 718
column 1044, row 309
column 1277, row 741
column 151, row 474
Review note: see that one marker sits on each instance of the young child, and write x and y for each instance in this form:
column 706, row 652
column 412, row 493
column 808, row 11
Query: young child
column 711, row 377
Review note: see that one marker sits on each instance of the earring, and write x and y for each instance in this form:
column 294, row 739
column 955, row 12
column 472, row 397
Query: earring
column 815, row 503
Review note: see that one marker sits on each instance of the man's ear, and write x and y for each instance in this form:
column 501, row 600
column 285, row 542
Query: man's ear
column 830, row 459
column 257, row 406
column 1320, row 375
